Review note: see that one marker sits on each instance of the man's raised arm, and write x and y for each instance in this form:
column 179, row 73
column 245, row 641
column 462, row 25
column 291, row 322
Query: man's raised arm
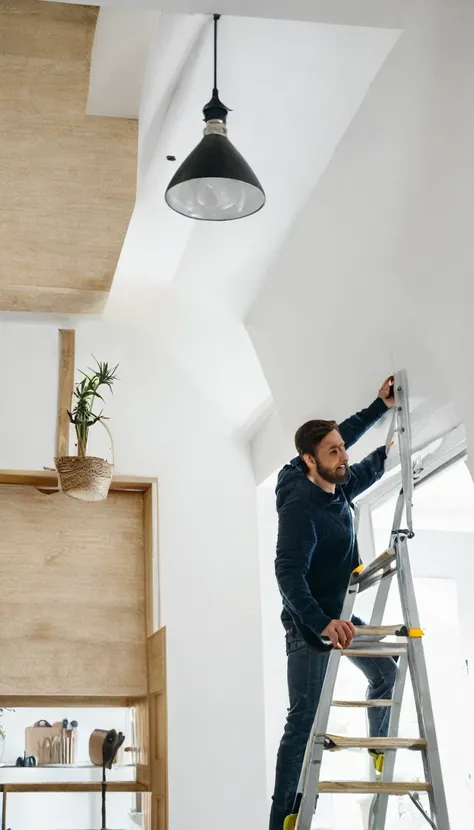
column 357, row 425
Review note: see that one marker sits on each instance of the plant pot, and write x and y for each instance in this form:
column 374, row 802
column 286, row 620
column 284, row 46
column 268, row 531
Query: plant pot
column 86, row 479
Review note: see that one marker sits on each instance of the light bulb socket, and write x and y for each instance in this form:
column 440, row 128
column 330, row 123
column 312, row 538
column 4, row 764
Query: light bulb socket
column 215, row 110
column 216, row 126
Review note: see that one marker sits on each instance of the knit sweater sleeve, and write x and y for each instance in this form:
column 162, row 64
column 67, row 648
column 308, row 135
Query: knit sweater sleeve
column 365, row 473
column 296, row 545
column 357, row 425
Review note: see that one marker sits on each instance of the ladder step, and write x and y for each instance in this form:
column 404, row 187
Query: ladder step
column 375, row 650
column 374, row 787
column 362, row 704
column 364, row 633
column 342, row 742
column 381, row 630
column 382, row 562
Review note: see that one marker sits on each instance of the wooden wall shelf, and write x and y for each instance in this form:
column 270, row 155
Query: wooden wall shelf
column 72, row 787
column 63, row 702
column 48, row 480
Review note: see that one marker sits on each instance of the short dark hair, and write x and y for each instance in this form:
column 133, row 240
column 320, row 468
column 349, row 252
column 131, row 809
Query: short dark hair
column 310, row 435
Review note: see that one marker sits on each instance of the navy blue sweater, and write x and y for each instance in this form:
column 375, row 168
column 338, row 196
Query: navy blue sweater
column 316, row 546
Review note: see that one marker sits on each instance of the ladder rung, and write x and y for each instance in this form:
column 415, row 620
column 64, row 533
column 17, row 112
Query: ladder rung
column 342, row 742
column 380, row 631
column 382, row 562
column 362, row 704
column 375, row 650
column 387, row 787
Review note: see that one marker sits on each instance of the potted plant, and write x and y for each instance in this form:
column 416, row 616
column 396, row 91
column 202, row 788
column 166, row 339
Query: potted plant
column 81, row 476
column 2, row 732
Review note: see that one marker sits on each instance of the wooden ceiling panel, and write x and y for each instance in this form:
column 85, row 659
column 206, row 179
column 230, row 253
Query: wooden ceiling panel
column 67, row 180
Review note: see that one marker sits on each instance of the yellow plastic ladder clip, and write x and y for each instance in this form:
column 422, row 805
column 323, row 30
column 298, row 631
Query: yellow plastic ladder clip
column 416, row 632
column 359, row 569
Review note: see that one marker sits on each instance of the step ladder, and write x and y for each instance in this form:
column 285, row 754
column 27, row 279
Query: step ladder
column 370, row 641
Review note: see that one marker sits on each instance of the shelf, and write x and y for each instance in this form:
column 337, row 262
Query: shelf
column 73, row 786
column 48, row 479
column 68, row 701
column 65, row 766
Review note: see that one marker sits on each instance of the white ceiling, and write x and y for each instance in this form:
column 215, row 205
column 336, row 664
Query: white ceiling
column 387, row 234
column 287, row 119
column 119, row 61
column 344, row 126
column 379, row 13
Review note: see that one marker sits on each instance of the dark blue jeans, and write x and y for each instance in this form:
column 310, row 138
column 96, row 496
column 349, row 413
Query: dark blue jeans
column 306, row 671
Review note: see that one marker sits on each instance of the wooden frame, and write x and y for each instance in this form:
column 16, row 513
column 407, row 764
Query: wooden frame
column 48, row 480
column 152, row 774
column 67, row 352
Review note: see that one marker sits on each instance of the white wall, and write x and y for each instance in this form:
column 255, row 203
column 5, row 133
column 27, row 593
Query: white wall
column 274, row 659
column 377, row 274
column 209, row 579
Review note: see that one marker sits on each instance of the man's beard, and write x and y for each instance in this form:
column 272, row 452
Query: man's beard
column 338, row 476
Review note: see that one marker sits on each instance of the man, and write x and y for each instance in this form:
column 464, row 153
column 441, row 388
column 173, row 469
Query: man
column 316, row 554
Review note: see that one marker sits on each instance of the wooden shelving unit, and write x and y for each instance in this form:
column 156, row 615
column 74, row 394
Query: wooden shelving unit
column 77, row 622
column 64, row 646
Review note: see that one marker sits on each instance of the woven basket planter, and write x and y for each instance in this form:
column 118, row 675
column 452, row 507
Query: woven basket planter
column 86, row 479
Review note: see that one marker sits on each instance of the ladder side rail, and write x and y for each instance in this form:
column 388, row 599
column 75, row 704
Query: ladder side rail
column 306, row 800
column 379, row 806
column 381, row 597
column 397, row 516
column 404, row 441
column 312, row 772
column 421, row 691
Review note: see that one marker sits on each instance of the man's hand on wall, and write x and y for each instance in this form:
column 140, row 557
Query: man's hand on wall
column 386, row 392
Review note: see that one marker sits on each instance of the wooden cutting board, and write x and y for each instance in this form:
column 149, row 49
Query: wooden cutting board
column 34, row 737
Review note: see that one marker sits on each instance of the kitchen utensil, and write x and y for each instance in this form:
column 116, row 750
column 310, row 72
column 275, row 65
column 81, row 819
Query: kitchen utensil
column 34, row 737
column 26, row 761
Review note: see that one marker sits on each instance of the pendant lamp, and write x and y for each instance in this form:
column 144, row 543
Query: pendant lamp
column 214, row 182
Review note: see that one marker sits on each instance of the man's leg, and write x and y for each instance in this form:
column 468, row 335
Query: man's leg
column 306, row 671
column 381, row 672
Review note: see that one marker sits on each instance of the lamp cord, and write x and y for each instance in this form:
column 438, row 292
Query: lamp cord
column 215, row 91
column 104, row 819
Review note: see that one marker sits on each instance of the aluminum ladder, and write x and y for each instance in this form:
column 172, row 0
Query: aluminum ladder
column 370, row 641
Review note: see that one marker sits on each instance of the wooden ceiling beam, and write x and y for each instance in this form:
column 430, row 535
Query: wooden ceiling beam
column 52, row 299
column 68, row 180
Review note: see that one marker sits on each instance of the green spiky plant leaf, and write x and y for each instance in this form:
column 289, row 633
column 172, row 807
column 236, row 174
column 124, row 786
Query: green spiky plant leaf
column 85, row 398
column 2, row 730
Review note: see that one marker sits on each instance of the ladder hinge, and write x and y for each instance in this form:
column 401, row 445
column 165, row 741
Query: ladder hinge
column 402, row 531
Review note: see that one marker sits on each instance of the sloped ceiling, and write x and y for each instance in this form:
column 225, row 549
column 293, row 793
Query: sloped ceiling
column 384, row 14
column 378, row 273
column 67, row 180
column 287, row 119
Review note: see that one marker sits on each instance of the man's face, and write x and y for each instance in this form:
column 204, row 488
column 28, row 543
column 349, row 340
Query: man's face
column 331, row 461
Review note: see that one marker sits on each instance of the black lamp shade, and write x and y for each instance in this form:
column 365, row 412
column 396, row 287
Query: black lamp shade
column 215, row 183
